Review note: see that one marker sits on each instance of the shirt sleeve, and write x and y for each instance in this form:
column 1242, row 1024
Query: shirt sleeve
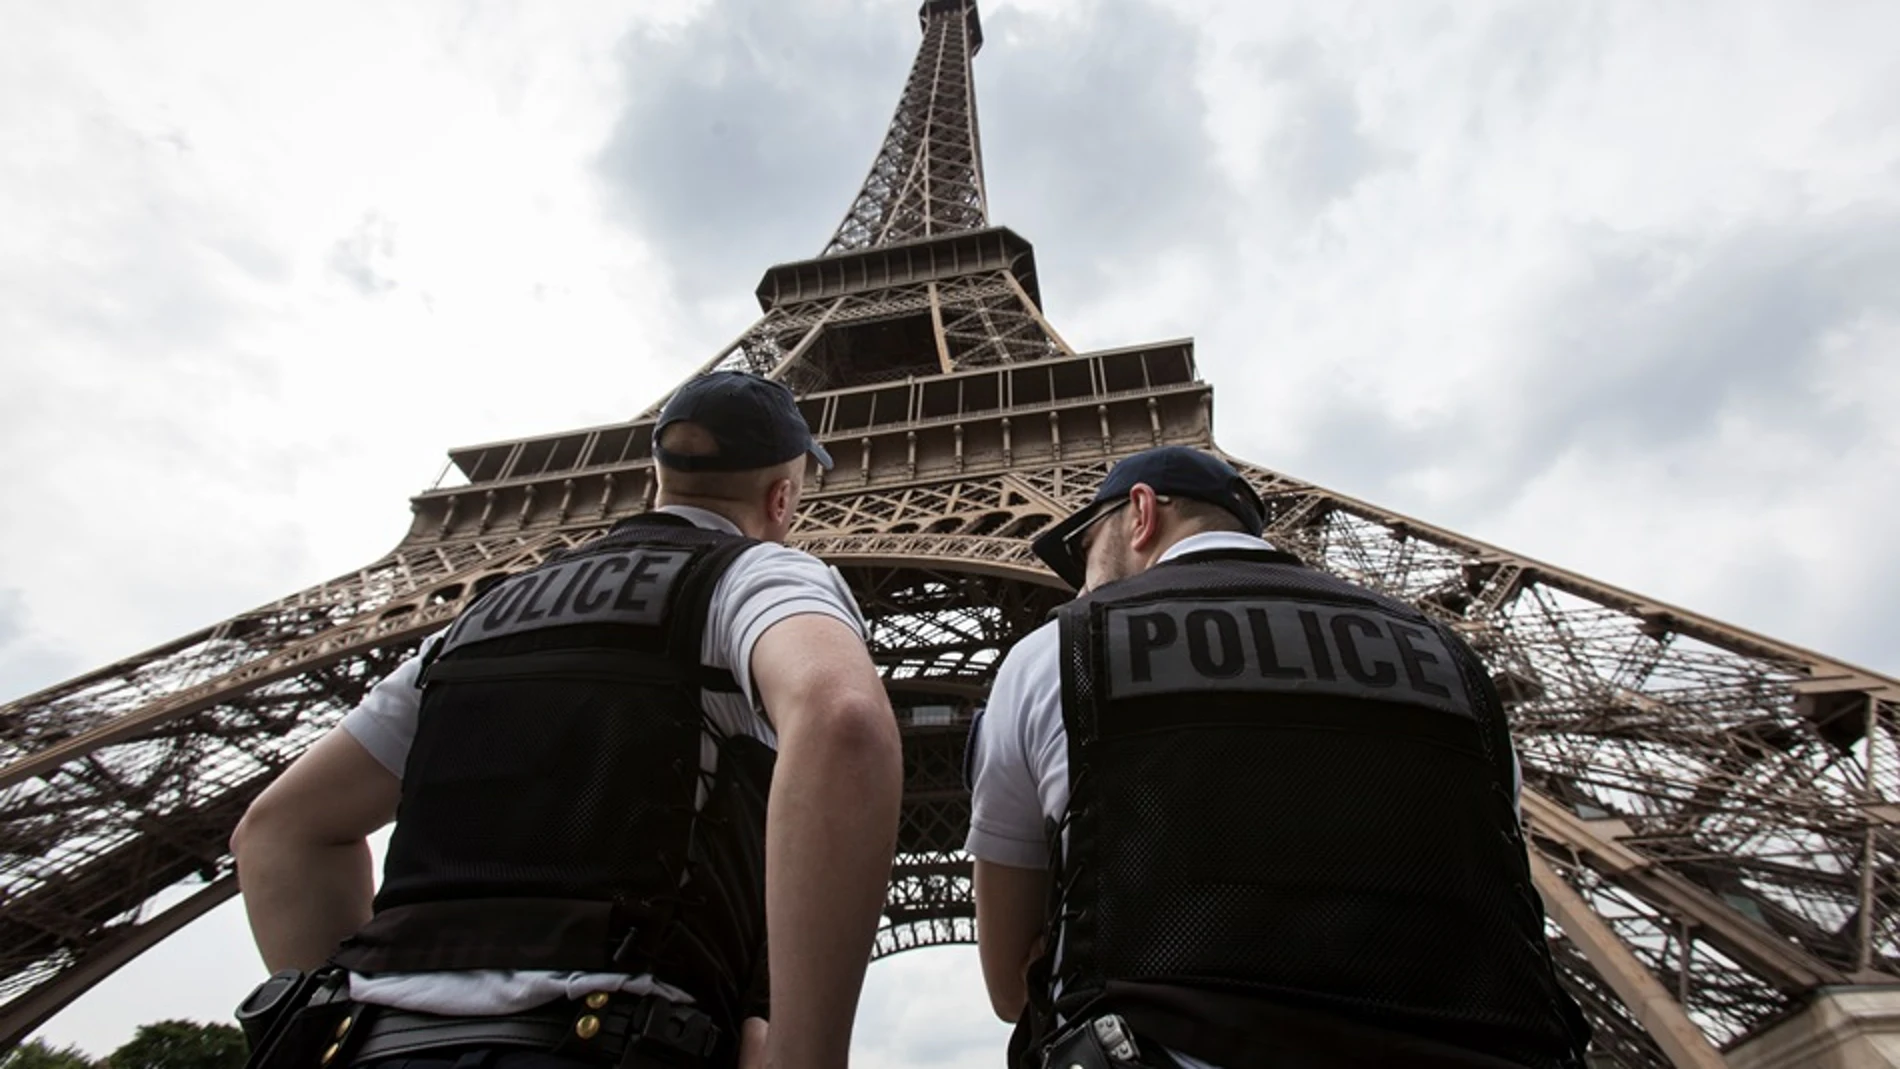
column 1018, row 757
column 385, row 721
column 769, row 584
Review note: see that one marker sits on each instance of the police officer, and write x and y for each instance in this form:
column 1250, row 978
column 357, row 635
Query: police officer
column 584, row 858
column 1257, row 816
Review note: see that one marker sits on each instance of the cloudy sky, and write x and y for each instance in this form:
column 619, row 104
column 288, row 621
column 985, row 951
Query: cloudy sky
column 1615, row 285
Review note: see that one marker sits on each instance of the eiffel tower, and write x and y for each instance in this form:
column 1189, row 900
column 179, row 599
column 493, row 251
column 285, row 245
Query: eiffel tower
column 1711, row 810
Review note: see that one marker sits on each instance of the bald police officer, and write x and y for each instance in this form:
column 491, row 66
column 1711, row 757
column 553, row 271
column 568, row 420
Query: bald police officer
column 1256, row 816
column 584, row 858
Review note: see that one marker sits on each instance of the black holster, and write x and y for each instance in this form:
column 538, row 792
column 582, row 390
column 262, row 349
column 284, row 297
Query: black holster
column 1103, row 1042
column 295, row 1018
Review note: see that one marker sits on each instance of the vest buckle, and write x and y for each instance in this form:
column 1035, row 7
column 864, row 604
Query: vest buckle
column 632, row 949
column 677, row 1027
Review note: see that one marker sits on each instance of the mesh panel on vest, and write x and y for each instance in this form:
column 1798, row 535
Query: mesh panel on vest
column 1306, row 861
column 507, row 801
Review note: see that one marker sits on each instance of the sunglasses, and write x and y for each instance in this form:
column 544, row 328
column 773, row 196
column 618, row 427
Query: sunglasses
column 1073, row 542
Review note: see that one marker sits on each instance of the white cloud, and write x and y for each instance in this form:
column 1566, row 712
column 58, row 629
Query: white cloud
column 927, row 1008
column 191, row 358
column 1610, row 285
column 1531, row 271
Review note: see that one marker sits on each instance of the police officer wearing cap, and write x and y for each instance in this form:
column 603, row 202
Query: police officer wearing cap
column 585, row 858
column 1232, row 811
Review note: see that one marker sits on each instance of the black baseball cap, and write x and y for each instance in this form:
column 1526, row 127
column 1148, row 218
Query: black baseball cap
column 1171, row 471
column 755, row 421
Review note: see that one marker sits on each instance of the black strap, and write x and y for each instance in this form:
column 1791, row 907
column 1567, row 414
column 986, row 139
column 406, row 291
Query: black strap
column 630, row 1030
column 624, row 532
column 1266, row 554
column 717, row 679
column 655, row 518
column 568, row 664
column 689, row 613
column 694, row 605
column 427, row 670
column 395, row 1033
column 1040, row 1018
column 693, row 601
column 579, row 664
column 971, row 741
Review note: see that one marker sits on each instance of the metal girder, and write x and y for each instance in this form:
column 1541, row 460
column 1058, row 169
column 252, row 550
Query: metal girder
column 20, row 1016
column 1723, row 795
column 311, row 654
column 257, row 651
column 1776, row 960
column 1649, row 1001
column 927, row 178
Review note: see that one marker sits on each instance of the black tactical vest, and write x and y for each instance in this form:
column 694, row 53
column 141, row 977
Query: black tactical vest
column 555, row 813
column 1291, row 839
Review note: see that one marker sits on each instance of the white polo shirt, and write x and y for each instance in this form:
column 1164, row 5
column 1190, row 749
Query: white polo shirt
column 1019, row 759
column 765, row 585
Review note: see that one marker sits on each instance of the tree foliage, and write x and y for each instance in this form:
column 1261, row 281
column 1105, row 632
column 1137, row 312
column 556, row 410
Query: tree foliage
column 180, row 1045
column 40, row 1055
column 160, row 1045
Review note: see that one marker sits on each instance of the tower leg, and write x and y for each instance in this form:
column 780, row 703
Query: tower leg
column 1842, row 1028
column 1684, row 1044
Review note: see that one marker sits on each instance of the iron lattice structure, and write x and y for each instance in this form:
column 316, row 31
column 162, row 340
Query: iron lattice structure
column 1711, row 810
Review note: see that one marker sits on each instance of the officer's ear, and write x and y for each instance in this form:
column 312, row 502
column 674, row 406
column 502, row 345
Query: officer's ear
column 781, row 498
column 1145, row 529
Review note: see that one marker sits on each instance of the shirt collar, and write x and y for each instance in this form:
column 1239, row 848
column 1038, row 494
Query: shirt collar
column 1206, row 540
column 699, row 517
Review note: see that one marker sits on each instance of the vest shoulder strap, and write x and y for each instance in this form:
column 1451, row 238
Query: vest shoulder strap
column 578, row 664
column 694, row 607
column 1264, row 555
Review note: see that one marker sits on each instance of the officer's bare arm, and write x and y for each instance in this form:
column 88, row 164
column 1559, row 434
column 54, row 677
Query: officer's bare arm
column 831, row 828
column 752, row 1036
column 1010, row 911
column 302, row 856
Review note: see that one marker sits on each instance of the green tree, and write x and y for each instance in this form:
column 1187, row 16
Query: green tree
column 181, row 1045
column 38, row 1055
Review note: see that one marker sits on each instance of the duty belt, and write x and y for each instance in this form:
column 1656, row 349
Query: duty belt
column 614, row 1029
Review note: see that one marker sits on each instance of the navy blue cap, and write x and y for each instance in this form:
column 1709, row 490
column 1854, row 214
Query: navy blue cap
column 1171, row 471
column 754, row 421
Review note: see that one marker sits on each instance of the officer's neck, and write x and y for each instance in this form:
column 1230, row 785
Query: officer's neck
column 1165, row 542
column 751, row 522
column 1142, row 554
